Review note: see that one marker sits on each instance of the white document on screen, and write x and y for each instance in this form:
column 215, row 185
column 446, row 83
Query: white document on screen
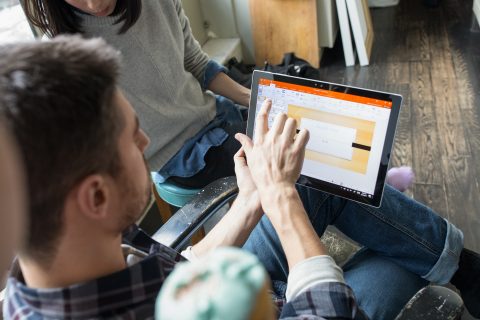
column 329, row 138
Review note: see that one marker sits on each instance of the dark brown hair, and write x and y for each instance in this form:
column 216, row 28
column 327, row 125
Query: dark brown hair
column 57, row 97
column 56, row 17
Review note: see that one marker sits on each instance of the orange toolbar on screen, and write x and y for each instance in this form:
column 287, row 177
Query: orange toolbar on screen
column 327, row 93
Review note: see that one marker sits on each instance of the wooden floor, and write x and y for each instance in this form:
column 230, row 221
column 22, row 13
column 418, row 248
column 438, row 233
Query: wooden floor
column 432, row 58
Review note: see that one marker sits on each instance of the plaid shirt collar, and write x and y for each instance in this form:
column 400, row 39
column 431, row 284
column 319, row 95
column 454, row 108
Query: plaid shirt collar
column 127, row 294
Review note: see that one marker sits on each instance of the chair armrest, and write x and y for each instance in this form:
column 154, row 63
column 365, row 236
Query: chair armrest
column 178, row 230
column 433, row 302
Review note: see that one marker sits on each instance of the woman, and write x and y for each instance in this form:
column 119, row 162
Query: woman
column 166, row 76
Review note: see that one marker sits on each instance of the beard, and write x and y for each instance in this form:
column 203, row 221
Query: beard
column 137, row 199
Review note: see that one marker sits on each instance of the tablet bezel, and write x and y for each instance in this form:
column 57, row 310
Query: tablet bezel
column 324, row 186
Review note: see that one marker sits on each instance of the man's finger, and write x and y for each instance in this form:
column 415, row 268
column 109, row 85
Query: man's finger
column 290, row 129
column 261, row 123
column 239, row 158
column 279, row 123
column 302, row 139
column 245, row 141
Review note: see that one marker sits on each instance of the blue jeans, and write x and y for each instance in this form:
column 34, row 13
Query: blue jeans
column 208, row 156
column 382, row 288
column 404, row 234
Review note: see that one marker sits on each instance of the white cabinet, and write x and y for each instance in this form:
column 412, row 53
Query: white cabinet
column 213, row 25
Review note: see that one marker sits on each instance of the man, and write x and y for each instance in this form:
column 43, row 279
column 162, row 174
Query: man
column 88, row 182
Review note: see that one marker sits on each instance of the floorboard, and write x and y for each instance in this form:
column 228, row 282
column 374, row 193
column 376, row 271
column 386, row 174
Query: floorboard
column 431, row 57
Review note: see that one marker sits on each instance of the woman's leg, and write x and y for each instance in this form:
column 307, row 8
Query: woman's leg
column 219, row 160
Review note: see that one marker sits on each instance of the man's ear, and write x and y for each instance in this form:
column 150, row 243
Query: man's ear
column 93, row 196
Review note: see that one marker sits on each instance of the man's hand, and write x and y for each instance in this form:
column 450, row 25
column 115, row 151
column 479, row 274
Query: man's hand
column 275, row 160
column 237, row 224
column 245, row 183
column 276, row 156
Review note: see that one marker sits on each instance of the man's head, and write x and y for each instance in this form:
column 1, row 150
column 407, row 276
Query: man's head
column 12, row 199
column 82, row 146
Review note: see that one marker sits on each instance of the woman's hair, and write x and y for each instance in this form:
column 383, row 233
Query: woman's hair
column 56, row 17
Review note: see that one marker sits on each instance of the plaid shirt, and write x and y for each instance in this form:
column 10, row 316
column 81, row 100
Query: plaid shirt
column 328, row 300
column 131, row 293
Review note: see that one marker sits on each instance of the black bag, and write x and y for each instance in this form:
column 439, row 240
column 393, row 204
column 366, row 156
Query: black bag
column 291, row 65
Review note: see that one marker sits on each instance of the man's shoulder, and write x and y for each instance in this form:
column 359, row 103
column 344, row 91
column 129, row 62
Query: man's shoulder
column 126, row 294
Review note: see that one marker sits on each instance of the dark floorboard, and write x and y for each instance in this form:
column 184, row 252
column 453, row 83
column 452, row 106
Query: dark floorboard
column 432, row 58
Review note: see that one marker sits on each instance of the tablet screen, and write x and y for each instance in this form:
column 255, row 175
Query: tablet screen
column 348, row 132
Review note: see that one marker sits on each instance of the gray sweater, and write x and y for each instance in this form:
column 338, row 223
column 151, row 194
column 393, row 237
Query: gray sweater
column 163, row 68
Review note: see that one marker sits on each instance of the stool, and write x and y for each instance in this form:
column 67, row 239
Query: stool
column 173, row 194
column 167, row 193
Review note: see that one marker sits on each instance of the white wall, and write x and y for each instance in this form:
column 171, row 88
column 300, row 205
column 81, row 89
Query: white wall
column 225, row 18
column 220, row 18
column 194, row 13
column 476, row 9
column 244, row 29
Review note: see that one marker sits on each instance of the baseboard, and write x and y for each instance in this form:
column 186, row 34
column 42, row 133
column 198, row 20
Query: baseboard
column 476, row 9
column 221, row 50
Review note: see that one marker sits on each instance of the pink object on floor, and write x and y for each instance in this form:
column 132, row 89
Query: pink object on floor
column 401, row 178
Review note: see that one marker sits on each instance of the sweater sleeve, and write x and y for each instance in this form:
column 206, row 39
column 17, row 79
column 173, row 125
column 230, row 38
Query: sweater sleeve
column 195, row 59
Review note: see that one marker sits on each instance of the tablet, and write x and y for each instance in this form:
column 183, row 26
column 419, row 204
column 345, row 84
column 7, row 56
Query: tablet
column 351, row 131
